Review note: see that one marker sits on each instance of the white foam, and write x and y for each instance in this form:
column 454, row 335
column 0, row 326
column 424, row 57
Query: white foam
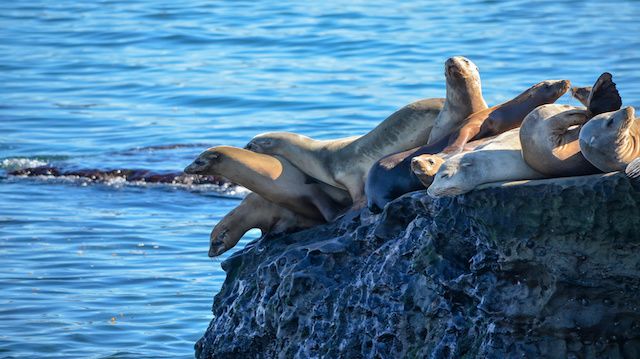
column 14, row 164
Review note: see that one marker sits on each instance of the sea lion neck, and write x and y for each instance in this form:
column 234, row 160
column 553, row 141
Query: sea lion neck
column 239, row 163
column 466, row 97
column 629, row 138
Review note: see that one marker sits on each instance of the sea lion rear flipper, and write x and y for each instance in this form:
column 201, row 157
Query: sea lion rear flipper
column 604, row 96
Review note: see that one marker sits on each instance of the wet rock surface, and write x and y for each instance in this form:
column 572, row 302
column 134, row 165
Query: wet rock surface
column 549, row 269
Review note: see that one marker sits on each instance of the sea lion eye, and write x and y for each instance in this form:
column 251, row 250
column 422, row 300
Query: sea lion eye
column 199, row 162
column 608, row 122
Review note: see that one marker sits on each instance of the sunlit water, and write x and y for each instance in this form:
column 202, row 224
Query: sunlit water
column 120, row 270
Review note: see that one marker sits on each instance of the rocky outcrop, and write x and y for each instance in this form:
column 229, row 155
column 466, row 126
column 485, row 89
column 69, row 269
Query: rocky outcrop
column 542, row 269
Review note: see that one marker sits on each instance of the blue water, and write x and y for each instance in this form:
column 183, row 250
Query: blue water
column 121, row 270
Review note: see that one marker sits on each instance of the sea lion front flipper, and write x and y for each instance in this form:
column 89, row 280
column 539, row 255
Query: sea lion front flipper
column 581, row 94
column 604, row 96
column 561, row 122
column 465, row 134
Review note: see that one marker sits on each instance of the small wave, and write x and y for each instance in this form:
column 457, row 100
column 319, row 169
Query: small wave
column 167, row 147
column 14, row 164
column 132, row 177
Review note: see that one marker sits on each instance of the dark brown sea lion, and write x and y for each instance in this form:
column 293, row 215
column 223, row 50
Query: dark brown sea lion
column 254, row 212
column 273, row 178
column 391, row 177
column 345, row 165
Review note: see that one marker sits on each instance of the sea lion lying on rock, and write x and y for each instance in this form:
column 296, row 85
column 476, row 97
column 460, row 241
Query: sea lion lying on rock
column 345, row 165
column 549, row 134
column 498, row 160
column 610, row 141
column 273, row 178
column 392, row 177
column 424, row 167
column 254, row 212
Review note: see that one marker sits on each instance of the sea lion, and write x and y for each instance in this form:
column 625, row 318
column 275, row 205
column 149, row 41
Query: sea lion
column 273, row 178
column 549, row 138
column 345, row 165
column 424, row 167
column 254, row 212
column 549, row 134
column 464, row 97
column 391, row 177
column 498, row 160
column 610, row 141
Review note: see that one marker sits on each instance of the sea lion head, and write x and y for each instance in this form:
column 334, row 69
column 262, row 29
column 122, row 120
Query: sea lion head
column 603, row 138
column 218, row 241
column 455, row 177
column 549, row 91
column 426, row 165
column 459, row 70
column 206, row 162
column 581, row 94
column 272, row 142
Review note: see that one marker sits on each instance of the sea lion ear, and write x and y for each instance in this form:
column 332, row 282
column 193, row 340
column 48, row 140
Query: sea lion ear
column 604, row 96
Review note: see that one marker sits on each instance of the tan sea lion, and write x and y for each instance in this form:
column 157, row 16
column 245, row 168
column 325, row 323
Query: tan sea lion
column 464, row 97
column 424, row 167
column 273, row 178
column 254, row 212
column 610, row 141
column 549, row 134
column 345, row 165
column 498, row 160
column 549, row 138
column 391, row 176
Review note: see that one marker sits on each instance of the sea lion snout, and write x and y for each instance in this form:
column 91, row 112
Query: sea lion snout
column 459, row 66
column 196, row 167
column 217, row 244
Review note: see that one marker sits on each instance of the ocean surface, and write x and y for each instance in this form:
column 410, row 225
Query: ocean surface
column 120, row 270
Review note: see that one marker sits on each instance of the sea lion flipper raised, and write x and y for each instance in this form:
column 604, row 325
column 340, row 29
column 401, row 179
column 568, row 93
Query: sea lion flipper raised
column 604, row 96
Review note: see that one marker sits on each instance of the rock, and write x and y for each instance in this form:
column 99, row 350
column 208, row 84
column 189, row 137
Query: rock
column 540, row 269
